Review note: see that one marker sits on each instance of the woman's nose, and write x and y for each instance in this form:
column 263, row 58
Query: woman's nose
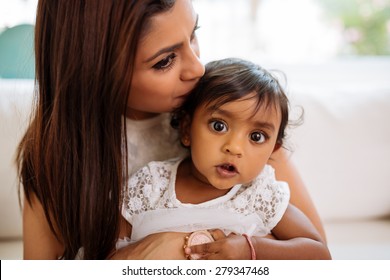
column 193, row 68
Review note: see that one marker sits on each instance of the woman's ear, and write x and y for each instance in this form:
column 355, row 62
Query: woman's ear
column 184, row 129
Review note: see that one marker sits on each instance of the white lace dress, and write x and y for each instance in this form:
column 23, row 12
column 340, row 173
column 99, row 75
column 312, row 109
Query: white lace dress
column 150, row 204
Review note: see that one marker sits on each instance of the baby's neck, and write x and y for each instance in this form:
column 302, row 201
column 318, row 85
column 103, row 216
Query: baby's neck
column 191, row 190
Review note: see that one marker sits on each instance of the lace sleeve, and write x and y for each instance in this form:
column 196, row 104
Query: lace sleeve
column 146, row 188
column 271, row 198
column 133, row 195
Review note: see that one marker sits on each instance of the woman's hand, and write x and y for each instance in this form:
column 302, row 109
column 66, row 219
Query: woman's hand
column 231, row 247
column 158, row 246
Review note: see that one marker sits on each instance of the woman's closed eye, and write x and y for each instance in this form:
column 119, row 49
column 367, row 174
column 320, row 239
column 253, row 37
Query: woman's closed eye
column 218, row 126
column 165, row 63
column 193, row 35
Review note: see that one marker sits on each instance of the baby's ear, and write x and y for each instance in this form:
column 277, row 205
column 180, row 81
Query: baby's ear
column 184, row 129
column 278, row 145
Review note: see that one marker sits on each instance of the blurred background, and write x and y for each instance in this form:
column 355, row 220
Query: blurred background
column 294, row 31
column 281, row 31
column 336, row 57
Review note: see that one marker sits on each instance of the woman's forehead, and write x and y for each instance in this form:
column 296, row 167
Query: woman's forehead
column 168, row 28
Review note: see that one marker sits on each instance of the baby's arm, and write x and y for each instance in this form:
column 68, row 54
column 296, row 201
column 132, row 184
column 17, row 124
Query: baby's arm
column 297, row 238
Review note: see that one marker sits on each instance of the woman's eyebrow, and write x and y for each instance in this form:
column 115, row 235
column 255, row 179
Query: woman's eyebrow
column 173, row 47
column 164, row 50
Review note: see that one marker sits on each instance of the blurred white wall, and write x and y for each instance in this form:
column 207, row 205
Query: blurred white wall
column 267, row 30
column 274, row 31
column 14, row 12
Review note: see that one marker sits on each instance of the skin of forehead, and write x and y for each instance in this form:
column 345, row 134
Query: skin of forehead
column 175, row 21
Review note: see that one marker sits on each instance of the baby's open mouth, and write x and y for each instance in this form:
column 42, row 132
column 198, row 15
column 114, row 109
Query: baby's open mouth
column 227, row 170
column 228, row 167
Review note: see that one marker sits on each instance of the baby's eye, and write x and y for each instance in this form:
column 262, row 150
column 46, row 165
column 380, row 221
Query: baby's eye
column 218, row 126
column 258, row 137
column 165, row 62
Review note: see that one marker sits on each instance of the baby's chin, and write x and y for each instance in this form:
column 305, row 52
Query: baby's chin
column 228, row 185
column 223, row 186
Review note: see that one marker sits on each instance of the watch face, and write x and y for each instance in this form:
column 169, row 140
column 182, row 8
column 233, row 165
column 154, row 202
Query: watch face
column 199, row 237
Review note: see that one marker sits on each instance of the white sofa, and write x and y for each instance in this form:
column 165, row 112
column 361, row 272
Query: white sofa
column 342, row 151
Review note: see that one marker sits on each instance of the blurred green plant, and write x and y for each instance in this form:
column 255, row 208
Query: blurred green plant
column 365, row 24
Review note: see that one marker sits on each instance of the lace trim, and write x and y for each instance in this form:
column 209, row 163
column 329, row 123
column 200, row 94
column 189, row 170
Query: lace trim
column 149, row 189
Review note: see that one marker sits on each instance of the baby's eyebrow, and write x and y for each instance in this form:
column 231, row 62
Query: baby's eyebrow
column 268, row 125
column 220, row 111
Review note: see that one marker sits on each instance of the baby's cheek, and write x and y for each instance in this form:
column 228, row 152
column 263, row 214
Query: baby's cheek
column 251, row 173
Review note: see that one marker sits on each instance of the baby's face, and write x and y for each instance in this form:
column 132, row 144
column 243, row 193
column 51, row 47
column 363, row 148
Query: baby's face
column 231, row 145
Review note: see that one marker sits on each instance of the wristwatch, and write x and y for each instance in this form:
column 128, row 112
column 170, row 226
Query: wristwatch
column 196, row 238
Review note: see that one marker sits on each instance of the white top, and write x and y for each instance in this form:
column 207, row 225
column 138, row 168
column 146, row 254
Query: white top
column 150, row 204
column 151, row 139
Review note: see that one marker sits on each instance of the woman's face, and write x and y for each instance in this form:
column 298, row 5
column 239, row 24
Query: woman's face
column 167, row 64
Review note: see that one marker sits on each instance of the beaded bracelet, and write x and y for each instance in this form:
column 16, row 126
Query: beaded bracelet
column 253, row 252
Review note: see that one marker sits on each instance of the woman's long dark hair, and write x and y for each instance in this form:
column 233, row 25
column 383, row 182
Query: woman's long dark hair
column 73, row 157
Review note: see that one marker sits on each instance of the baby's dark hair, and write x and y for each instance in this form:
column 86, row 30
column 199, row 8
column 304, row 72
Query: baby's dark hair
column 230, row 79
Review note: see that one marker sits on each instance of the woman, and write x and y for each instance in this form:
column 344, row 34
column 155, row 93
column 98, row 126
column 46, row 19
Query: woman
column 97, row 61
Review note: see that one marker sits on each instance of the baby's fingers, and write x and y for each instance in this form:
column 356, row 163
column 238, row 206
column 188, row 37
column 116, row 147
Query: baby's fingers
column 217, row 234
column 202, row 249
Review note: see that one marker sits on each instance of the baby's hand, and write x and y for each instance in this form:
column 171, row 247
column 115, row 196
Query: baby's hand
column 232, row 247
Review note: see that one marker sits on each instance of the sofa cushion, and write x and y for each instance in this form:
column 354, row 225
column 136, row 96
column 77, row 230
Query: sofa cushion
column 15, row 104
column 343, row 148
